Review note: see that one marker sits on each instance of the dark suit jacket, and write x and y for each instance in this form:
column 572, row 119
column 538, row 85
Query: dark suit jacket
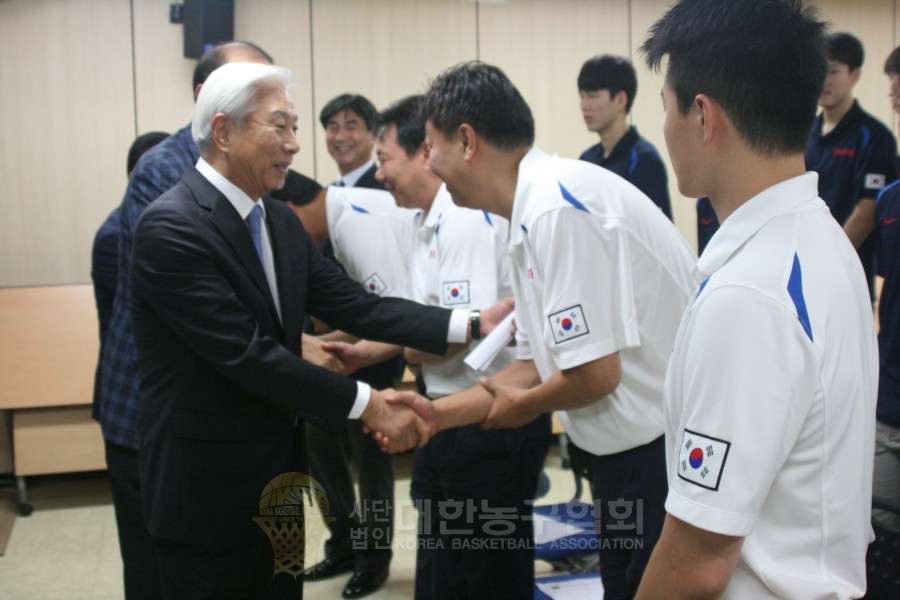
column 104, row 274
column 221, row 376
column 368, row 180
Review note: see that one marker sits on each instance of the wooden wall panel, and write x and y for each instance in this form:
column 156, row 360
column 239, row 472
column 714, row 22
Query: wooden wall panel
column 162, row 75
column 281, row 28
column 541, row 47
column 385, row 50
column 79, row 79
column 67, row 105
column 647, row 112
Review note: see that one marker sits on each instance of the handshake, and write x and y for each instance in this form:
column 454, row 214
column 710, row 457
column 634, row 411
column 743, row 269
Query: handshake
column 399, row 421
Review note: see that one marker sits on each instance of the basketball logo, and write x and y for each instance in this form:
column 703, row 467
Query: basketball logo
column 281, row 518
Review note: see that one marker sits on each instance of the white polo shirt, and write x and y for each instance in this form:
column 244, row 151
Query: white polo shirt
column 459, row 262
column 770, row 399
column 597, row 269
column 372, row 238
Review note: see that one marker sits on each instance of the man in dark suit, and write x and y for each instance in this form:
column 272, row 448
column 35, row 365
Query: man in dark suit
column 360, row 540
column 116, row 406
column 348, row 120
column 219, row 293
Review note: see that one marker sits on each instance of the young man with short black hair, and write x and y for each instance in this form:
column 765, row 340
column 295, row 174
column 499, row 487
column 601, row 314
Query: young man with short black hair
column 770, row 390
column 853, row 152
column 607, row 86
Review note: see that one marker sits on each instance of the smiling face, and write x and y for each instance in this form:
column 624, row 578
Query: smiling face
column 446, row 159
column 402, row 174
column 261, row 151
column 349, row 140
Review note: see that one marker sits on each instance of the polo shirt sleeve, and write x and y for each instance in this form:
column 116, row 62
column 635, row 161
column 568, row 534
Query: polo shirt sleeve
column 745, row 383
column 588, row 304
column 877, row 167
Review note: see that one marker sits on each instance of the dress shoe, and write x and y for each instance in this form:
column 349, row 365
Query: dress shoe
column 364, row 583
column 329, row 568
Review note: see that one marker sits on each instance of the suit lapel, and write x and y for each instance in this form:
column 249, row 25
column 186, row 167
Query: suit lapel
column 233, row 229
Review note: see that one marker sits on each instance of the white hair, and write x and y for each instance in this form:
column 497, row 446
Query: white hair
column 233, row 90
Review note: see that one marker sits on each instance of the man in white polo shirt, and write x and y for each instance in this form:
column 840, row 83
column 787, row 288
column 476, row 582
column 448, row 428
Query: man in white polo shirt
column 600, row 278
column 458, row 261
column 770, row 393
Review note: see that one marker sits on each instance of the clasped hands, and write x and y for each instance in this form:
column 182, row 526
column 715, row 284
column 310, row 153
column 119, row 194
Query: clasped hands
column 416, row 418
column 399, row 421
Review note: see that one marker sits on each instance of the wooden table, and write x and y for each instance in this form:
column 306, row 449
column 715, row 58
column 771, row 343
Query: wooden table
column 49, row 342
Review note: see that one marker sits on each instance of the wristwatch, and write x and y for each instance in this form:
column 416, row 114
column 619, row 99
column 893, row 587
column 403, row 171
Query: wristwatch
column 475, row 324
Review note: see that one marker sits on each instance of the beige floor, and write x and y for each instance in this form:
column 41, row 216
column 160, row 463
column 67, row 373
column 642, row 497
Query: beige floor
column 68, row 550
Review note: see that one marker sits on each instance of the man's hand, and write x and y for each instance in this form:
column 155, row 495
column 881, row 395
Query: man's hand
column 491, row 317
column 395, row 426
column 362, row 353
column 314, row 351
column 507, row 410
column 349, row 355
column 420, row 404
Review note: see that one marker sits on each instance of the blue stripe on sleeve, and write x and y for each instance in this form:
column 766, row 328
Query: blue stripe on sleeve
column 634, row 161
column 795, row 290
column 571, row 199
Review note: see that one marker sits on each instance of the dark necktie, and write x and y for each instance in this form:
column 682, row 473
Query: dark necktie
column 254, row 224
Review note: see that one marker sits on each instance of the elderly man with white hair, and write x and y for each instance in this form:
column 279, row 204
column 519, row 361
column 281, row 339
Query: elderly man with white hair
column 222, row 277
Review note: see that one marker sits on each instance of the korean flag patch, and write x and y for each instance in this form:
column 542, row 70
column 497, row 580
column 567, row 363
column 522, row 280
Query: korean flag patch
column 568, row 324
column 875, row 181
column 456, row 292
column 701, row 459
column 375, row 284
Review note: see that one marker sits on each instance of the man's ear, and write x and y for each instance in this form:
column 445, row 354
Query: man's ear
column 710, row 117
column 620, row 100
column 221, row 131
column 469, row 140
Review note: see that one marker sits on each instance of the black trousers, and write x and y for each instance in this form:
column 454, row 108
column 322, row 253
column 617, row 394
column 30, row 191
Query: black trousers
column 226, row 572
column 363, row 531
column 474, row 491
column 630, row 491
column 139, row 561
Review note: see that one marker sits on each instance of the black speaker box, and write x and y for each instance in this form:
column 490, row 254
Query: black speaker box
column 207, row 23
